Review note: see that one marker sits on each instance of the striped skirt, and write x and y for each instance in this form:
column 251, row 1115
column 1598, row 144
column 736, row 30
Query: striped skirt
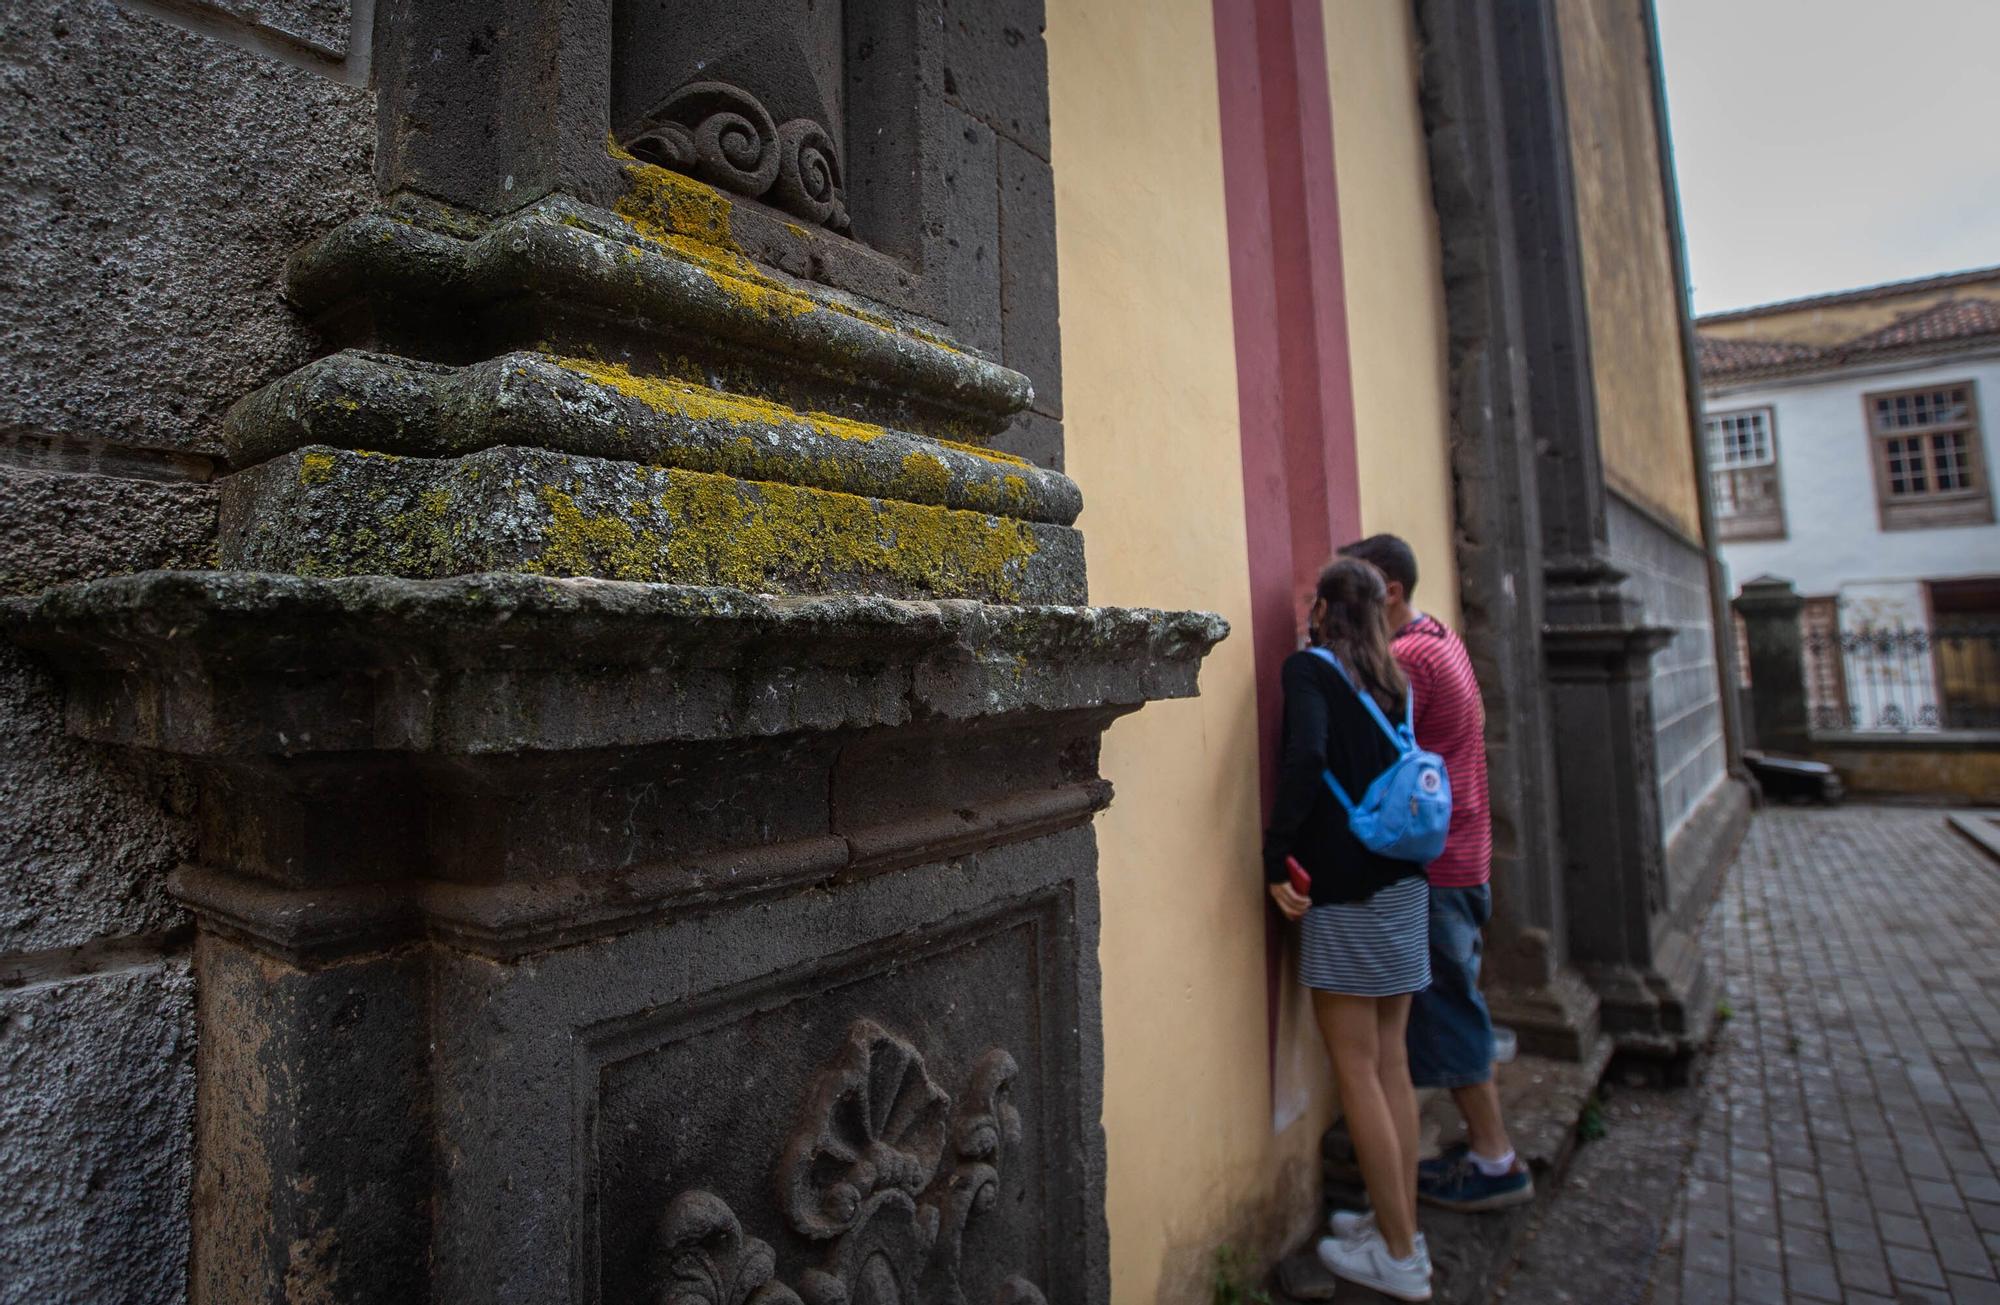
column 1379, row 947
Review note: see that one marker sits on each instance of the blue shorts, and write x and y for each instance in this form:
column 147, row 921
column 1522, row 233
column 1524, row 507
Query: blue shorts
column 1451, row 1033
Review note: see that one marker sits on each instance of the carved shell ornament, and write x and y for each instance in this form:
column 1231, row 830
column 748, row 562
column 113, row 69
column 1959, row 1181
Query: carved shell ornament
column 723, row 135
column 875, row 1125
column 882, row 1169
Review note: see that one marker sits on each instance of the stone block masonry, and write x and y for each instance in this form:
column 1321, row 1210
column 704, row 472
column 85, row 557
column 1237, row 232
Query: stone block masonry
column 98, row 1118
column 163, row 162
column 157, row 182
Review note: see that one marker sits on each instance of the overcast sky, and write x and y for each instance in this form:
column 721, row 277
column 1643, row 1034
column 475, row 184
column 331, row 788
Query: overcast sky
column 1829, row 144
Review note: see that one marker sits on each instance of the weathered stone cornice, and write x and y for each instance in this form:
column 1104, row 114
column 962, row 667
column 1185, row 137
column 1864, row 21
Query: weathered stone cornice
column 560, row 259
column 1590, row 650
column 246, row 665
column 331, row 512
column 387, row 404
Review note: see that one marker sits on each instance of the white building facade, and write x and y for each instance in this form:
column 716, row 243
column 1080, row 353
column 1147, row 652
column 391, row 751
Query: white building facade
column 1861, row 470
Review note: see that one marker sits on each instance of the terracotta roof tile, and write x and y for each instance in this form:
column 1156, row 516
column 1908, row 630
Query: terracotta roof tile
column 1954, row 319
column 1722, row 357
column 1950, row 322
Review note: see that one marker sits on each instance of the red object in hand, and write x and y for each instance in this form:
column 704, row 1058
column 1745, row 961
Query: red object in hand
column 1302, row 883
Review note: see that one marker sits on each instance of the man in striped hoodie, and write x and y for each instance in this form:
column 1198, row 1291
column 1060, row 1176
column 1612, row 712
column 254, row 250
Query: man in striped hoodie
column 1451, row 1032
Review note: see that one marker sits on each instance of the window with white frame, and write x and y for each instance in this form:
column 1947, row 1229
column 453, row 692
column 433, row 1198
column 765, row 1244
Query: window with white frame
column 1926, row 448
column 1743, row 470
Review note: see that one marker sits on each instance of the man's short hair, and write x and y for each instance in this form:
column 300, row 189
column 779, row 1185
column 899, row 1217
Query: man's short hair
column 1390, row 555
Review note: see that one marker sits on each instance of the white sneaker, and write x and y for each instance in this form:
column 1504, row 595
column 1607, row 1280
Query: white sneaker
column 1349, row 1224
column 1366, row 1260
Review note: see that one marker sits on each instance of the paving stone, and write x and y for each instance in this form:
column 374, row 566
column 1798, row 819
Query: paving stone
column 1915, row 1267
column 1863, row 1272
column 1908, row 1295
column 1698, row 1288
column 1945, row 1224
column 1898, row 1230
column 1857, row 1237
column 1891, row 1198
column 1801, row 1213
column 1796, row 1182
column 1758, row 1249
column 1964, row 1255
column 1974, row 1291
column 1812, row 1279
column 1759, row 1286
column 1932, row 1192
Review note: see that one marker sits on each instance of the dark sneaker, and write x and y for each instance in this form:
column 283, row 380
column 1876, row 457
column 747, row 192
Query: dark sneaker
column 1434, row 1169
column 1458, row 1185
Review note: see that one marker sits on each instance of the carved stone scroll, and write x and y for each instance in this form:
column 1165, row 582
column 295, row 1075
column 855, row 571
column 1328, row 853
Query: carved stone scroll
column 724, row 135
column 704, row 1258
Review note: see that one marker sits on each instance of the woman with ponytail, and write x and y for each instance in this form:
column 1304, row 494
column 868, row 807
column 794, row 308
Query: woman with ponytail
column 1364, row 943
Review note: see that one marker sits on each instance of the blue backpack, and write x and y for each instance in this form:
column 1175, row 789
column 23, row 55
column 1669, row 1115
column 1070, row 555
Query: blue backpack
column 1406, row 812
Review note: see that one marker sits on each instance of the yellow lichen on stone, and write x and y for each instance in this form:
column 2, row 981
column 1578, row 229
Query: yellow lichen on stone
column 755, row 536
column 760, row 295
column 924, row 477
column 602, row 545
column 699, row 403
column 663, row 203
column 710, row 529
column 315, row 468
column 436, row 501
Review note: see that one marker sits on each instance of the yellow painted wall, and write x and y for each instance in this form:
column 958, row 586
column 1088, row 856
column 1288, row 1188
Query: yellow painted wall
column 1395, row 291
column 1839, row 323
column 1635, row 330
column 1149, row 387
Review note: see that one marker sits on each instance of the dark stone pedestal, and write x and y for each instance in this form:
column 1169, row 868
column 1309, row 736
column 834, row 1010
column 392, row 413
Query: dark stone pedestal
column 645, row 730
column 580, row 940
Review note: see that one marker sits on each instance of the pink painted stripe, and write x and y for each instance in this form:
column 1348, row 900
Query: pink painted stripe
column 1294, row 389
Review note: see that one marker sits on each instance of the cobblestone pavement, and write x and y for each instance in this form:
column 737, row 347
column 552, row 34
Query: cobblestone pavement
column 1851, row 1133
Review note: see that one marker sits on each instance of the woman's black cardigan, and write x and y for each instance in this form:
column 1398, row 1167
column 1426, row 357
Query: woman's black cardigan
column 1327, row 728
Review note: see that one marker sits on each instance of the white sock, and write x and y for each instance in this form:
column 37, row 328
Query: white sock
column 1492, row 1168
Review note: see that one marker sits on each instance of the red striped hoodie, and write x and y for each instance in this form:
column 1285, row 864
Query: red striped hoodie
column 1451, row 721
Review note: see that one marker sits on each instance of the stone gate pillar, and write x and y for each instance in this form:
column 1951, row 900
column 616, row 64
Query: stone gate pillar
column 1770, row 608
column 645, row 723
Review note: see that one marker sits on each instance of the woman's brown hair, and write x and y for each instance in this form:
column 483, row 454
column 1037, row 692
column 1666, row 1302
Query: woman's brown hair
column 1354, row 626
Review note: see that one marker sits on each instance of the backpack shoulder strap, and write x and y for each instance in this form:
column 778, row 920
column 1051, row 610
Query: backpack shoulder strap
column 1368, row 701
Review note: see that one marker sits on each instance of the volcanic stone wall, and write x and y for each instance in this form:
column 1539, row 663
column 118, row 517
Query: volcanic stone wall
column 161, row 164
